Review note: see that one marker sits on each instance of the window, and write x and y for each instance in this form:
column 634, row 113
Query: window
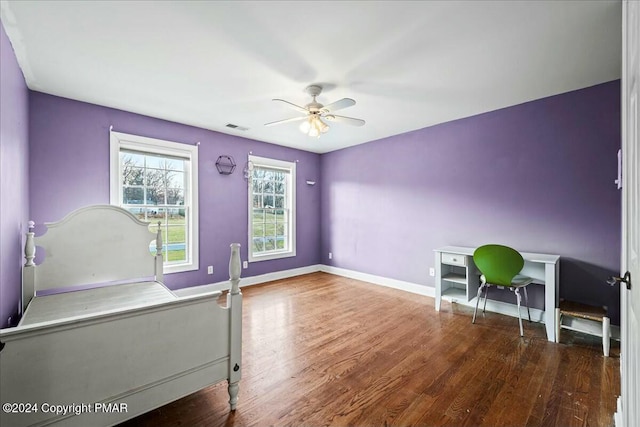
column 157, row 181
column 272, row 230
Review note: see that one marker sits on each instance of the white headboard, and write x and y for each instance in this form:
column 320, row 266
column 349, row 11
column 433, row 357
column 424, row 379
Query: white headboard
column 94, row 244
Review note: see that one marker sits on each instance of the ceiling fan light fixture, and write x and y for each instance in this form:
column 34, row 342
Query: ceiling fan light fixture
column 324, row 128
column 314, row 132
column 312, row 123
column 305, row 126
column 314, row 126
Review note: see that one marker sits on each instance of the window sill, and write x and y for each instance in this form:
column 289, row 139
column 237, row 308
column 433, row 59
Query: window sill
column 178, row 268
column 271, row 256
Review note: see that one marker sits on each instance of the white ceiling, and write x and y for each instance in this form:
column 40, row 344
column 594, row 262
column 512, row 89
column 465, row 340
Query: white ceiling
column 408, row 65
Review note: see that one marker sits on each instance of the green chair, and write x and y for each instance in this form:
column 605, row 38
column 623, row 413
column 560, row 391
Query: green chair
column 500, row 266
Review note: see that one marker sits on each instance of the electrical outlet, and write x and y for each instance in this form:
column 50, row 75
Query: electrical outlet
column 210, row 269
column 330, row 255
column 245, row 264
column 432, row 272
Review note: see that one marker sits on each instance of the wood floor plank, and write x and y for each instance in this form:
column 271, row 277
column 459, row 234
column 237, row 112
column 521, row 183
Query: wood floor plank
column 323, row 350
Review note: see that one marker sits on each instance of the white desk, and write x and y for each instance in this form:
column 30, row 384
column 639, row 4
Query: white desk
column 457, row 278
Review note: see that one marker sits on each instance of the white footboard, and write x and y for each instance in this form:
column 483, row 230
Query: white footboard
column 137, row 359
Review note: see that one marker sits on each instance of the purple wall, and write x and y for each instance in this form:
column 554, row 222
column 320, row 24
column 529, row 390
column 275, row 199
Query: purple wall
column 69, row 160
column 537, row 176
column 14, row 180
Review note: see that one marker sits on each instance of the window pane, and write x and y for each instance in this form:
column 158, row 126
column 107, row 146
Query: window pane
column 132, row 175
column 270, row 192
column 176, row 233
column 176, row 243
column 258, row 215
column 270, row 229
column 155, row 196
column 175, row 196
column 258, row 244
column 133, row 196
column 155, row 161
column 258, row 229
column 155, row 178
column 270, row 243
column 269, row 215
column 176, row 165
column 155, row 214
column 176, row 215
column 258, row 173
column 159, row 185
column 132, row 167
column 175, row 179
column 129, row 158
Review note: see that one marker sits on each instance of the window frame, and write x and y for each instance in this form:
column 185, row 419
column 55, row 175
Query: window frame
column 122, row 141
column 256, row 161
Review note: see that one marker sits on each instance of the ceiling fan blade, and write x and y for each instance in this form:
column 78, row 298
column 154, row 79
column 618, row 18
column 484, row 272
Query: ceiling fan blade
column 279, row 122
column 338, row 105
column 294, row 106
column 346, row 120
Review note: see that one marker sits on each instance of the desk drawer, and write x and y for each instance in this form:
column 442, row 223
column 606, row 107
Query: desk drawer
column 454, row 259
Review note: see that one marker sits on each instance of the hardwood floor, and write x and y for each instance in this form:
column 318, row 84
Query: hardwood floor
column 326, row 350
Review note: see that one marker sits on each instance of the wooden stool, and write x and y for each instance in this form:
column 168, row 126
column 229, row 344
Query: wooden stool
column 583, row 311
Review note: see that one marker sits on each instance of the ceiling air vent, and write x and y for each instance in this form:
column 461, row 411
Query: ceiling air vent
column 232, row 126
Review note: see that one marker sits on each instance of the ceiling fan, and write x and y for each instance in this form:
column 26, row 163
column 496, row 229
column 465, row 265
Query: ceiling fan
column 314, row 113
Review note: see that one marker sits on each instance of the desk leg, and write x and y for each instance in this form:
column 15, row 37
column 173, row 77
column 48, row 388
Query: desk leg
column 551, row 297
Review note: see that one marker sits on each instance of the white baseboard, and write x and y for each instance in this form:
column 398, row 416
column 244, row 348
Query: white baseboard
column 380, row 280
column 500, row 307
column 493, row 306
column 507, row 309
column 617, row 416
column 248, row 281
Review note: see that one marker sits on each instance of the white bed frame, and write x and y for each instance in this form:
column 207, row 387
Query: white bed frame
column 100, row 356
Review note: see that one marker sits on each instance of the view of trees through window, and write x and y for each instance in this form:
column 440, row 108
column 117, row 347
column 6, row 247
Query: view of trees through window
column 153, row 189
column 270, row 212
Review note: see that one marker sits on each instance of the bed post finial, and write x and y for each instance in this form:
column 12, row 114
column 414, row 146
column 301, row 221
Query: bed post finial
column 29, row 246
column 235, row 268
column 159, row 239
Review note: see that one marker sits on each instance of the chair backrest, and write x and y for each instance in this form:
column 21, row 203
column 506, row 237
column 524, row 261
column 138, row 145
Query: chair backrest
column 499, row 264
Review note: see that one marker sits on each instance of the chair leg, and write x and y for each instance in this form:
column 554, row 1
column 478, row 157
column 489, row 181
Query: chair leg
column 477, row 302
column 526, row 301
column 517, row 292
column 486, row 295
column 606, row 333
